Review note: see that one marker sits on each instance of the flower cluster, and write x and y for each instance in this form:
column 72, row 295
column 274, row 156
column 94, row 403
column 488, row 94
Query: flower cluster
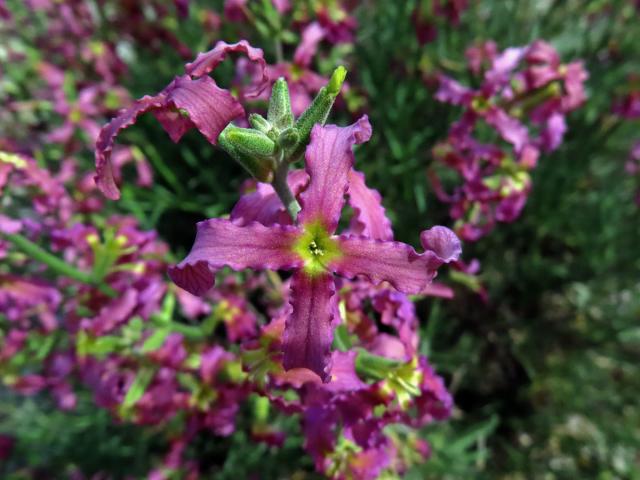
column 524, row 84
column 87, row 306
column 287, row 222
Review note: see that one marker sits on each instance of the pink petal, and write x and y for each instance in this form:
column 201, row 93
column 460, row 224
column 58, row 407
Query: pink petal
column 209, row 109
column 206, row 62
column 263, row 205
column 308, row 331
column 439, row 290
column 509, row 128
column 221, row 243
column 311, row 37
column 541, row 52
column 9, row 225
column 369, row 219
column 395, row 262
column 450, row 91
column 329, row 158
column 282, row 6
column 443, row 242
column 343, row 373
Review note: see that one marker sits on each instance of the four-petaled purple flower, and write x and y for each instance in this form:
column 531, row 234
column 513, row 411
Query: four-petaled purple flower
column 314, row 252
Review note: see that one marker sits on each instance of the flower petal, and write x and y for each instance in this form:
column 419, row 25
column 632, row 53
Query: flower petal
column 394, row 262
column 443, row 242
column 104, row 145
column 308, row 330
column 263, row 204
column 329, row 158
column 207, row 107
column 206, row 62
column 220, row 242
column 369, row 219
column 311, row 37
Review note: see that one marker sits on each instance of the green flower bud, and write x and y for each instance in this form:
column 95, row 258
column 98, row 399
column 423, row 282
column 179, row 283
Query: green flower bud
column 289, row 139
column 261, row 167
column 319, row 110
column 279, row 113
column 260, row 123
column 250, row 142
column 336, row 80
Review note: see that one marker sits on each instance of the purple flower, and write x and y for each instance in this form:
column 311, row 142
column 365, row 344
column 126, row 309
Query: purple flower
column 313, row 252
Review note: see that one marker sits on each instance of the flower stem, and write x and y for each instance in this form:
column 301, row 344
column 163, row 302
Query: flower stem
column 281, row 187
column 278, row 48
column 54, row 263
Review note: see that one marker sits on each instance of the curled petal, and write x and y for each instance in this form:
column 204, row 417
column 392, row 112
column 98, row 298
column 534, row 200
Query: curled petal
column 369, row 219
column 106, row 139
column 329, row 158
column 207, row 61
column 394, row 262
column 221, row 243
column 308, row 331
column 263, row 204
column 183, row 104
column 443, row 242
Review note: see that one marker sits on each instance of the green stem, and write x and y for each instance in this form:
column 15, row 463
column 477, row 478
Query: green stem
column 189, row 331
column 278, row 48
column 54, row 263
column 281, row 187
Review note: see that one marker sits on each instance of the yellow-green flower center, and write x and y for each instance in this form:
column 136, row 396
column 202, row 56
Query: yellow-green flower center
column 316, row 248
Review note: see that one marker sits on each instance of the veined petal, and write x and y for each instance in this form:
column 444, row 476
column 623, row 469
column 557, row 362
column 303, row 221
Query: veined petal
column 205, row 106
column 263, row 204
column 369, row 219
column 200, row 103
column 329, row 158
column 308, row 331
column 220, row 242
column 394, row 262
column 207, row 61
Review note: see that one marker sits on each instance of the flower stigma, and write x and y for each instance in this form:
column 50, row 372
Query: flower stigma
column 316, row 248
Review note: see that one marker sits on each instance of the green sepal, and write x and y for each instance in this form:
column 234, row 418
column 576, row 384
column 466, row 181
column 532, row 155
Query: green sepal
column 289, row 139
column 319, row 110
column 137, row 389
column 261, row 168
column 373, row 366
column 260, row 123
column 280, row 114
column 250, row 142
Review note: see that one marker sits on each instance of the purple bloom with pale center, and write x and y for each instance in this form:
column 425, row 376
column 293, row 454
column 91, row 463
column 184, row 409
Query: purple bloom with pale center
column 313, row 251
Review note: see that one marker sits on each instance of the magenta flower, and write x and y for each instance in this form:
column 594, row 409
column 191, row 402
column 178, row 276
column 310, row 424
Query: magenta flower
column 313, row 251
